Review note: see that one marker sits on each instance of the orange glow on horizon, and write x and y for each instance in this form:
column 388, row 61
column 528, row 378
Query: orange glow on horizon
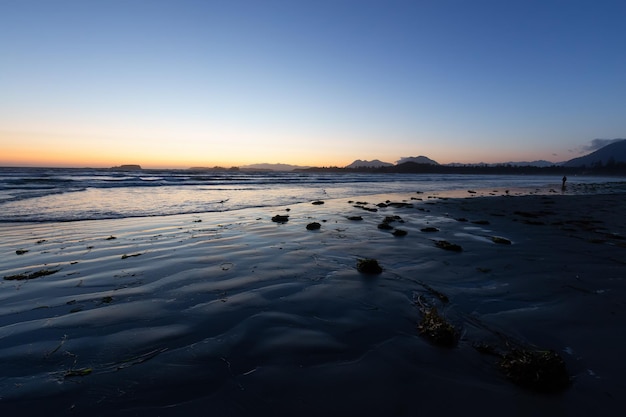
column 71, row 150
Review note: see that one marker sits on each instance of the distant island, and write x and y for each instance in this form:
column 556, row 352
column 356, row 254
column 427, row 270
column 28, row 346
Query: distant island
column 127, row 168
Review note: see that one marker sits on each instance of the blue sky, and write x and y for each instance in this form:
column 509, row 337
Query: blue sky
column 188, row 83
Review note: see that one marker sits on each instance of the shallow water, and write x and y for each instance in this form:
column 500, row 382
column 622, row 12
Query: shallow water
column 37, row 194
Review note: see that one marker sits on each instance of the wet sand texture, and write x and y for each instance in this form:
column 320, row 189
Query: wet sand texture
column 246, row 313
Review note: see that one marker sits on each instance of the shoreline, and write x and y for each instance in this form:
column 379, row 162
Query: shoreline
column 233, row 311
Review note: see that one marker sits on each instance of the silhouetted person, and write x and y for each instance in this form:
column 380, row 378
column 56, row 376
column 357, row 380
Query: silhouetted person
column 564, row 179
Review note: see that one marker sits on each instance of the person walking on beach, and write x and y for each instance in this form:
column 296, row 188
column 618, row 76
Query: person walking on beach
column 564, row 179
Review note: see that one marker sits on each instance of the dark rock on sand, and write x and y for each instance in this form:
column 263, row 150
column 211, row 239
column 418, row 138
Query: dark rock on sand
column 385, row 226
column 368, row 266
column 401, row 205
column 429, row 229
column 279, row 218
column 500, row 240
column 399, row 233
column 21, row 251
column 317, row 203
column 390, row 219
column 355, row 218
column 313, row 226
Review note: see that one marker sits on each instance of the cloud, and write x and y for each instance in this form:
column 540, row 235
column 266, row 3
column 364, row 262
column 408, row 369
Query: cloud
column 600, row 143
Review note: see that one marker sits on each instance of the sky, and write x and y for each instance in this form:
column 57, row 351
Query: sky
column 176, row 84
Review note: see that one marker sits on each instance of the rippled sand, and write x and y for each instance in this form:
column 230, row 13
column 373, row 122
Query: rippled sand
column 232, row 314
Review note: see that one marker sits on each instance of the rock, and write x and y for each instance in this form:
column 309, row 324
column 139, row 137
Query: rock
column 279, row 218
column 368, row 266
column 313, row 226
column 500, row 240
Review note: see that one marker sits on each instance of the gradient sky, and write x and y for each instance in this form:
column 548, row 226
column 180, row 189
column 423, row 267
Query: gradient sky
column 203, row 83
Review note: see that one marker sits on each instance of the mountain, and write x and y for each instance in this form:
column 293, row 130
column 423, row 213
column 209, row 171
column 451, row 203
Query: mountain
column 615, row 152
column 369, row 164
column 271, row 167
column 417, row 159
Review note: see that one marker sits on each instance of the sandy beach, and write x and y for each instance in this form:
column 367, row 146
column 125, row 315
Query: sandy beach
column 242, row 315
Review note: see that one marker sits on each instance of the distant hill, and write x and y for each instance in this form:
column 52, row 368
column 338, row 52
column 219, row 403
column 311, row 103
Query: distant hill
column 540, row 163
column 369, row 164
column 417, row 159
column 272, row 167
column 215, row 168
column 615, row 152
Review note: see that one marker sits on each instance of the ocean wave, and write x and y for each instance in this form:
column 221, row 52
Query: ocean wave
column 61, row 195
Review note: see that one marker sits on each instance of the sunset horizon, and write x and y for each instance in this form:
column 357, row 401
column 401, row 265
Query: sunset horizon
column 175, row 85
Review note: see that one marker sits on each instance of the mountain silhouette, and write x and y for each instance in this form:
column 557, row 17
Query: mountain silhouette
column 417, row 159
column 369, row 164
column 613, row 153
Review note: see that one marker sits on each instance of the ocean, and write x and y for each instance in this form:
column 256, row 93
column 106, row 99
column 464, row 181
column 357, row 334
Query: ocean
column 62, row 194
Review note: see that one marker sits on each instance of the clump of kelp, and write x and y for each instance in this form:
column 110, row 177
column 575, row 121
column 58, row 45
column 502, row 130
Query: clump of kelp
column 542, row 371
column 32, row 275
column 368, row 266
column 445, row 245
column 435, row 327
column 537, row 370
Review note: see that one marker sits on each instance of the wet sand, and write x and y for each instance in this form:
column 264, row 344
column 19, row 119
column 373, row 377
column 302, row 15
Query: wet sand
column 241, row 315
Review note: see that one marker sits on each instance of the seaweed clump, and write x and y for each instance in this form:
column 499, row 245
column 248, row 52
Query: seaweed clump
column 78, row 372
column 436, row 328
column 541, row 371
column 444, row 244
column 368, row 266
column 33, row 275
